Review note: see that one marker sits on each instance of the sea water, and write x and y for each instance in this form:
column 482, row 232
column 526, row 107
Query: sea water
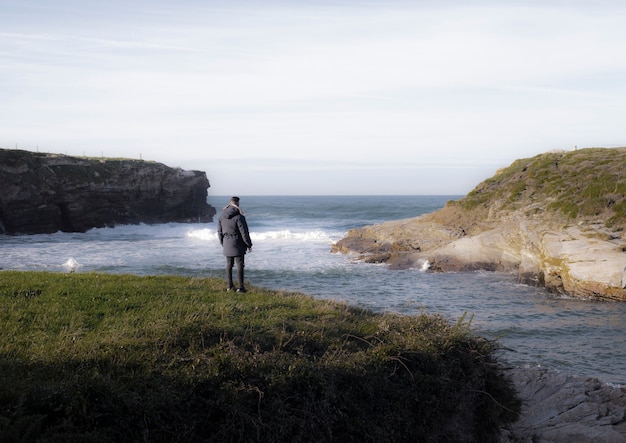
column 292, row 239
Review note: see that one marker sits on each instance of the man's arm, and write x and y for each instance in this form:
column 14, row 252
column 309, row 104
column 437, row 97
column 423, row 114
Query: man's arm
column 220, row 234
column 242, row 225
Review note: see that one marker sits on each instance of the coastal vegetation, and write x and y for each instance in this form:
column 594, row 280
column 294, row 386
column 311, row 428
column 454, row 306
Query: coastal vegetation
column 586, row 184
column 97, row 357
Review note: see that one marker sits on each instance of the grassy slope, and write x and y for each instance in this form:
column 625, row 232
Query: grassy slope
column 585, row 185
column 92, row 357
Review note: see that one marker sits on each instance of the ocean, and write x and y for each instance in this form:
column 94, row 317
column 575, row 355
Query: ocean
column 292, row 238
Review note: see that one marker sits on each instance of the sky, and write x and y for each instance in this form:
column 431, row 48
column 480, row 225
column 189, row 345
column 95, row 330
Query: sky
column 276, row 97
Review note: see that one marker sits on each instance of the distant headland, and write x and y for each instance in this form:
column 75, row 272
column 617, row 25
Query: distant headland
column 45, row 193
column 557, row 219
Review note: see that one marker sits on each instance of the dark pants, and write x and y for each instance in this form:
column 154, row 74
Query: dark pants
column 230, row 261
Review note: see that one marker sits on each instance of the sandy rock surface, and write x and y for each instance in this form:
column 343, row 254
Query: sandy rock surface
column 584, row 261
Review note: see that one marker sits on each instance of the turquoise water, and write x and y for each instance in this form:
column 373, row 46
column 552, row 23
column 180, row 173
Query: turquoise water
column 292, row 240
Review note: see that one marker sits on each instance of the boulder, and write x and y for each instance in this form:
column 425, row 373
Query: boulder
column 45, row 193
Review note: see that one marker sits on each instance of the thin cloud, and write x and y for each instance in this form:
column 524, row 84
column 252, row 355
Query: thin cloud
column 396, row 84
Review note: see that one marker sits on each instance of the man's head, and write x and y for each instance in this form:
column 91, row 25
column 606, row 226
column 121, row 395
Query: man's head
column 234, row 201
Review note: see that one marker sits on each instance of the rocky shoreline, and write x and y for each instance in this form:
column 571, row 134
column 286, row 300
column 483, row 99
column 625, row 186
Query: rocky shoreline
column 570, row 241
column 558, row 221
column 581, row 260
column 558, row 407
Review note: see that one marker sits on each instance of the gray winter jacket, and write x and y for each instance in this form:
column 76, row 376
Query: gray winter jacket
column 232, row 231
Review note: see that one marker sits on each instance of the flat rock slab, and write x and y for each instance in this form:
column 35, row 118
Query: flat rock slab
column 559, row 407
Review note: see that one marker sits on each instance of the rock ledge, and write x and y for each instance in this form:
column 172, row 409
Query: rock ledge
column 558, row 407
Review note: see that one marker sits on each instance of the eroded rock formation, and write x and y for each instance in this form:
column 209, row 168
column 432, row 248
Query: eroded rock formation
column 559, row 407
column 557, row 220
column 45, row 193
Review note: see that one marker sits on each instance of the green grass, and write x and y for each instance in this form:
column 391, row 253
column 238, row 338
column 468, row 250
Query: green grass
column 95, row 357
column 587, row 183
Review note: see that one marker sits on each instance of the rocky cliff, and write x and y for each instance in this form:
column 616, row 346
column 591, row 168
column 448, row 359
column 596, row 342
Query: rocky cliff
column 44, row 193
column 556, row 219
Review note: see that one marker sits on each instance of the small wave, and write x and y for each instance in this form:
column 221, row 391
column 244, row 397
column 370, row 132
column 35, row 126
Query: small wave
column 308, row 236
column 268, row 236
column 203, row 234
column 423, row 265
column 71, row 264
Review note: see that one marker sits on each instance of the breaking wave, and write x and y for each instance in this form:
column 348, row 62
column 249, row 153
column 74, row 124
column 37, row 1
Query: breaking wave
column 315, row 236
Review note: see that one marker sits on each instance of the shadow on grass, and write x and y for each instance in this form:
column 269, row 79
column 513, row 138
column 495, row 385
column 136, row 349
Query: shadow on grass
column 264, row 397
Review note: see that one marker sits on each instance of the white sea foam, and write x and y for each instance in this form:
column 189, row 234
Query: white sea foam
column 424, row 265
column 203, row 234
column 317, row 236
column 71, row 264
column 307, row 236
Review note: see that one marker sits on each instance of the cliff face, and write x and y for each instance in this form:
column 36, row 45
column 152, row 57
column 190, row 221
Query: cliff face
column 556, row 219
column 44, row 193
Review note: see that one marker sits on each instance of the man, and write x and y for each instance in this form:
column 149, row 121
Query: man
column 232, row 231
